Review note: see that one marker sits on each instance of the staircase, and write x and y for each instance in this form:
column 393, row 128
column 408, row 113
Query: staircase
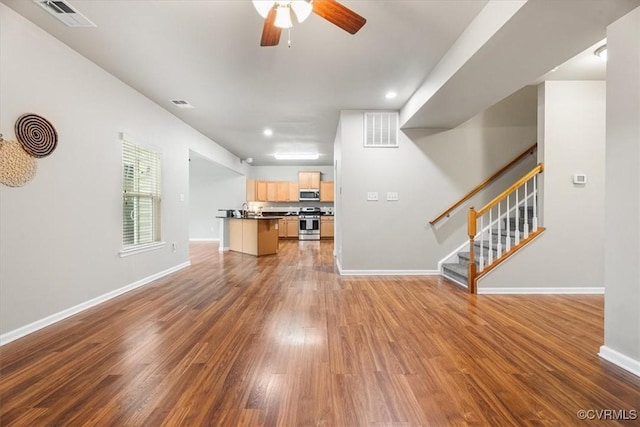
column 459, row 271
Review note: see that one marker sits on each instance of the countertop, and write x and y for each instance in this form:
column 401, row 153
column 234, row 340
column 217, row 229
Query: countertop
column 252, row 217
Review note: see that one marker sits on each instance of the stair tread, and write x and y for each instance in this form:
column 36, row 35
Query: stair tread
column 457, row 268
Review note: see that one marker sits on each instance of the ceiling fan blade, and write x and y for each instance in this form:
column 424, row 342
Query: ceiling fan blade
column 339, row 15
column 270, row 33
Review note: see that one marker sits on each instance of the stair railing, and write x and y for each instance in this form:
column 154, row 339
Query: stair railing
column 495, row 218
column 447, row 212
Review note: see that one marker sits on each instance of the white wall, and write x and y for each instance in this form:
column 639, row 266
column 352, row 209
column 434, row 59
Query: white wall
column 61, row 233
column 211, row 187
column 430, row 171
column 570, row 253
column 622, row 249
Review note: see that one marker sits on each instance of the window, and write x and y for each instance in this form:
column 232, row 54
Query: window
column 140, row 197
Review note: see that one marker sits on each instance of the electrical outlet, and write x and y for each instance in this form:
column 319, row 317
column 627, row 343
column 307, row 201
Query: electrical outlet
column 392, row 196
column 174, row 247
column 372, row 196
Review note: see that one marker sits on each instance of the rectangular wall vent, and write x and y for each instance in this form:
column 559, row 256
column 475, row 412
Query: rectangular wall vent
column 65, row 13
column 381, row 129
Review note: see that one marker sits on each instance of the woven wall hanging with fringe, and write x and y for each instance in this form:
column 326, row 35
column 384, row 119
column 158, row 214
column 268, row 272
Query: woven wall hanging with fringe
column 17, row 167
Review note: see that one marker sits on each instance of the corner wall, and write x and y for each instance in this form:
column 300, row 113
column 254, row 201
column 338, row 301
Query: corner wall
column 622, row 255
column 61, row 233
column 568, row 256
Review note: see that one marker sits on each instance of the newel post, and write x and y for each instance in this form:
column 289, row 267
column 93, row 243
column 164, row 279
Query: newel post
column 471, row 229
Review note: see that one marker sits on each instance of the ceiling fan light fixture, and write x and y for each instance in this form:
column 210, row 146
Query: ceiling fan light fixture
column 302, row 9
column 283, row 17
column 263, row 6
column 296, row 156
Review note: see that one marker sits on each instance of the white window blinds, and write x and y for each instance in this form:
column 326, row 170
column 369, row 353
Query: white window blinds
column 140, row 196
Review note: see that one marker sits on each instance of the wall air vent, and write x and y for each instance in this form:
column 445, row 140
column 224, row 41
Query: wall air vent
column 380, row 129
column 65, row 13
column 181, row 103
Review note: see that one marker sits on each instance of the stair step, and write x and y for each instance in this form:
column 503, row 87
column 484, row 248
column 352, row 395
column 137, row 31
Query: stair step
column 456, row 271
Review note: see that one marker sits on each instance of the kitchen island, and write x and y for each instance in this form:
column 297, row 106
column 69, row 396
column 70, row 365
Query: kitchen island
column 254, row 235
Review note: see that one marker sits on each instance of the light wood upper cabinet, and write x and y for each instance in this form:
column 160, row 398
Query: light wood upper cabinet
column 309, row 180
column 283, row 191
column 261, row 191
column 251, row 190
column 294, row 193
column 272, row 191
column 326, row 191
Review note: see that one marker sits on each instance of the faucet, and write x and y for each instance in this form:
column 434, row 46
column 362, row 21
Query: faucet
column 245, row 209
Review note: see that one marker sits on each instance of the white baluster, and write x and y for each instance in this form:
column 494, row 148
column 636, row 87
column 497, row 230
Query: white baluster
column 499, row 245
column 526, row 211
column 517, row 227
column 481, row 265
column 508, row 241
column 535, row 203
column 490, row 240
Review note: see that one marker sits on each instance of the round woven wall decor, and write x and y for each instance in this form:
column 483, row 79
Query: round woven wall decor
column 17, row 167
column 36, row 134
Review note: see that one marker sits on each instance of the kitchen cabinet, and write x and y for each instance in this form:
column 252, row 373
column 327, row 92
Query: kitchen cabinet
column 283, row 191
column 261, row 191
column 253, row 236
column 293, row 192
column 309, row 180
column 272, row 191
column 326, row 191
column 288, row 227
column 326, row 227
column 256, row 191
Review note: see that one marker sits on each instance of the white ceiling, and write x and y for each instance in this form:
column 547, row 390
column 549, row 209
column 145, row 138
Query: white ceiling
column 207, row 52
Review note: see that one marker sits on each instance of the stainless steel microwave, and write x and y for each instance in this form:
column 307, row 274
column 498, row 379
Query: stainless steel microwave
column 309, row 195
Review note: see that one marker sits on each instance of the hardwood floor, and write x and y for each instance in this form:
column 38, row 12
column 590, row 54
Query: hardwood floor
column 284, row 340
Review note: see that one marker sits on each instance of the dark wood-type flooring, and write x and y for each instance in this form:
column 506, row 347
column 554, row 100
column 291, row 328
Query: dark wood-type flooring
column 285, row 341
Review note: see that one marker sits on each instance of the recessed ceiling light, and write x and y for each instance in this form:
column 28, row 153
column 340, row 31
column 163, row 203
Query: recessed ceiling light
column 267, row 132
column 601, row 52
column 296, row 156
column 391, row 95
column 181, row 103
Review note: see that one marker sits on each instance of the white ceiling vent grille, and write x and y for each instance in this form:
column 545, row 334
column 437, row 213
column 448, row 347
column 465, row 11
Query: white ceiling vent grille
column 381, row 130
column 65, row 13
column 181, row 103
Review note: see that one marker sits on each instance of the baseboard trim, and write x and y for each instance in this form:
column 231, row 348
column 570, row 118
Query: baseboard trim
column 224, row 249
column 543, row 291
column 619, row 359
column 388, row 272
column 212, row 239
column 50, row 320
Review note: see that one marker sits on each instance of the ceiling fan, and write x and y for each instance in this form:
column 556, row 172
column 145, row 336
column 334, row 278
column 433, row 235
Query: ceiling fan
column 277, row 16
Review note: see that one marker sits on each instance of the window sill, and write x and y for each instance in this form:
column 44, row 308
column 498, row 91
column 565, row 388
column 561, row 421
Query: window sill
column 140, row 249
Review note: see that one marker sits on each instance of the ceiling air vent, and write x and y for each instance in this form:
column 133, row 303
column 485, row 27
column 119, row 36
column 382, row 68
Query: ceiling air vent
column 181, row 103
column 381, row 130
column 65, row 13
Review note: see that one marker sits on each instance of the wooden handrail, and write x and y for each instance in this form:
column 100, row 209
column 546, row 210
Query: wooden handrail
column 484, row 183
column 539, row 168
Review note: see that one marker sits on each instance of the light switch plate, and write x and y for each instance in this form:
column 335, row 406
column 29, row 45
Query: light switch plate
column 372, row 196
column 392, row 196
column 580, row 178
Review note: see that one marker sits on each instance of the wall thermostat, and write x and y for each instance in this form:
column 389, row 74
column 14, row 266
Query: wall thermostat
column 579, row 178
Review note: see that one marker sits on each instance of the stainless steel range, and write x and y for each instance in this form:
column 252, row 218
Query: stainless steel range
column 309, row 220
